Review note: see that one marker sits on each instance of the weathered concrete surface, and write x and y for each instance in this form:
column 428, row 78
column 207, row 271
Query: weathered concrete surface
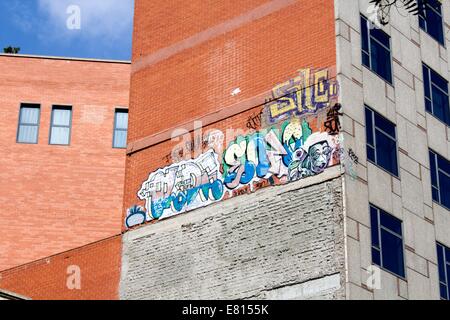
column 278, row 243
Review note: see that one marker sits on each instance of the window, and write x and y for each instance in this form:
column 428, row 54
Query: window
column 430, row 20
column 28, row 129
column 381, row 141
column 387, row 241
column 376, row 50
column 61, row 123
column 120, row 128
column 443, row 254
column 440, row 179
column 436, row 94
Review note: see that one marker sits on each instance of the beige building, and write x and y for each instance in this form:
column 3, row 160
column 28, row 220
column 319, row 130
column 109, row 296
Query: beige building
column 412, row 184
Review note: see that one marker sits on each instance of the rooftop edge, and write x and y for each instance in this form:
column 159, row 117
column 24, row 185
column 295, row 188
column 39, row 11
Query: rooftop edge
column 63, row 58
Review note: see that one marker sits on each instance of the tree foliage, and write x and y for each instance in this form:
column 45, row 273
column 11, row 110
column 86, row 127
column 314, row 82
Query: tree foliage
column 12, row 50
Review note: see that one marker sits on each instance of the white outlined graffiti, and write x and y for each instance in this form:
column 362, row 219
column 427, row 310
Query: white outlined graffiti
column 182, row 186
column 73, row 281
column 273, row 156
column 293, row 136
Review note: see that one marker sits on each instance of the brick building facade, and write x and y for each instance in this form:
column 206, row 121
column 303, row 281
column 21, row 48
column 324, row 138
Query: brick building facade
column 57, row 197
column 90, row 272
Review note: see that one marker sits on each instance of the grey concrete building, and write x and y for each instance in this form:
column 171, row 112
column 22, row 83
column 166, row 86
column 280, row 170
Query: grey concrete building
column 406, row 194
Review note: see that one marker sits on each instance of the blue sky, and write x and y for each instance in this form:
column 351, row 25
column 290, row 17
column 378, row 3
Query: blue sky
column 49, row 27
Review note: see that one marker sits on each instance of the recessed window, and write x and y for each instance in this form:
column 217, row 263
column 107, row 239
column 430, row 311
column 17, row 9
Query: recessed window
column 28, row 129
column 387, row 241
column 376, row 50
column 440, row 179
column 430, row 19
column 443, row 254
column 381, row 141
column 120, row 128
column 436, row 94
column 61, row 123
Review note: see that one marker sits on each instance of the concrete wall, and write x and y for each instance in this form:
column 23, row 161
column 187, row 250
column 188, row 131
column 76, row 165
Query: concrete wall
column 283, row 242
column 407, row 197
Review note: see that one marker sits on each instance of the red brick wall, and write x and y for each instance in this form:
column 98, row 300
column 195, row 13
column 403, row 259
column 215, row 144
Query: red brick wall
column 55, row 198
column 189, row 57
column 99, row 266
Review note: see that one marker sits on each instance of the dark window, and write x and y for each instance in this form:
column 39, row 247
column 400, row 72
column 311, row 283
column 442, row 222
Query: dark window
column 430, row 20
column 436, row 94
column 443, row 254
column 120, row 128
column 387, row 241
column 381, row 141
column 440, row 179
column 60, row 126
column 376, row 50
column 28, row 129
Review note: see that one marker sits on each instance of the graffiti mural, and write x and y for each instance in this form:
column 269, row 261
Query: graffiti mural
column 254, row 121
column 290, row 154
column 279, row 154
column 286, row 140
column 309, row 92
column 182, row 186
column 333, row 124
column 311, row 159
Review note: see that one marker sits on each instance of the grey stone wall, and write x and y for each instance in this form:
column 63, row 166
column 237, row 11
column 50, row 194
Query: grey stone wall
column 283, row 242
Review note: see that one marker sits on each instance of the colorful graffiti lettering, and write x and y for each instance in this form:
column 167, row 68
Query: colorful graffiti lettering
column 277, row 155
column 183, row 186
column 309, row 92
column 294, row 153
column 288, row 149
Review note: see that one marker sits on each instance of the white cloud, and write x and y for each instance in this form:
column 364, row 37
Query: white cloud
column 100, row 19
